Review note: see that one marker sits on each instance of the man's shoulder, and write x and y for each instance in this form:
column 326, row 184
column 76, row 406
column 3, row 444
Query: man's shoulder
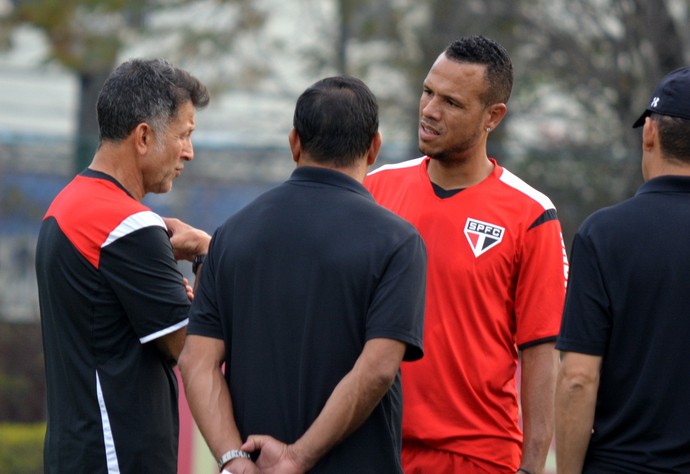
column 94, row 213
column 611, row 217
column 401, row 166
column 520, row 189
column 387, row 181
column 88, row 194
column 390, row 218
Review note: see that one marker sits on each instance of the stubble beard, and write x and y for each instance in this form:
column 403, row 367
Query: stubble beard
column 456, row 154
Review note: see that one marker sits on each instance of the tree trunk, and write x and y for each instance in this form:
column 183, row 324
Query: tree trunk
column 90, row 84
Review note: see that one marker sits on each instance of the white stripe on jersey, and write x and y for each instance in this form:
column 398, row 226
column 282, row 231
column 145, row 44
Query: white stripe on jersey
column 506, row 177
column 514, row 182
column 165, row 331
column 132, row 223
column 404, row 164
column 110, row 452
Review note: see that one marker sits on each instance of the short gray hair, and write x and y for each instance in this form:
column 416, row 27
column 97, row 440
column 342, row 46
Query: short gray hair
column 145, row 90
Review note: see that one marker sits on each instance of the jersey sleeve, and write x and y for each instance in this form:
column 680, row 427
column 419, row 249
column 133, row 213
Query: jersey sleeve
column 397, row 309
column 586, row 322
column 204, row 317
column 541, row 282
column 141, row 268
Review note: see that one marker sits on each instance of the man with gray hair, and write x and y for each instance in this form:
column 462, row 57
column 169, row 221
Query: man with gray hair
column 114, row 306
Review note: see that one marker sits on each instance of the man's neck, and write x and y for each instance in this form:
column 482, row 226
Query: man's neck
column 459, row 175
column 113, row 161
column 357, row 171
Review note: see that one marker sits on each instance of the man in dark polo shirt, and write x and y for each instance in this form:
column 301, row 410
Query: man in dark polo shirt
column 311, row 295
column 114, row 306
column 622, row 400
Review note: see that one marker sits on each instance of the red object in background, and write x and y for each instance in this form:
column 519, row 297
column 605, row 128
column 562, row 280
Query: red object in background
column 186, row 443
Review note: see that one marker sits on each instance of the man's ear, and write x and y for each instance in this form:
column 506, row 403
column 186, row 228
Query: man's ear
column 496, row 114
column 374, row 149
column 650, row 134
column 295, row 145
column 144, row 138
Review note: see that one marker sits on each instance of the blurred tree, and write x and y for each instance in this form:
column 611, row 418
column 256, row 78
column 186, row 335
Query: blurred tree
column 87, row 37
column 602, row 58
column 604, row 54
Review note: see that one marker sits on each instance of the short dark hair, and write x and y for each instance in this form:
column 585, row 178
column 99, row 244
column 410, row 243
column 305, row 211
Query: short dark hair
column 145, row 90
column 487, row 52
column 674, row 137
column 336, row 120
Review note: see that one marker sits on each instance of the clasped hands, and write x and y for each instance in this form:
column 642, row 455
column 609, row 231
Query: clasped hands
column 275, row 458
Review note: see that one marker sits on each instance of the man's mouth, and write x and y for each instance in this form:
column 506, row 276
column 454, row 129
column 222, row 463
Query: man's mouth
column 427, row 130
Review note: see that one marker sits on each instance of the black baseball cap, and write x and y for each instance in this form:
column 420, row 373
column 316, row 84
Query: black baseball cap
column 671, row 97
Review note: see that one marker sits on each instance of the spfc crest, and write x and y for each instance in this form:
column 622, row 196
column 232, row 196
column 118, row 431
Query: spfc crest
column 482, row 236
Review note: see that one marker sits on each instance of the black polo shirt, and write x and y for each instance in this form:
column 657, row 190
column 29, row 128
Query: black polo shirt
column 108, row 285
column 295, row 284
column 628, row 301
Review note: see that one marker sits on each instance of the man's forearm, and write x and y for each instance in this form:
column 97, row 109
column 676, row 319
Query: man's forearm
column 209, row 399
column 576, row 395
column 352, row 400
column 212, row 412
column 539, row 366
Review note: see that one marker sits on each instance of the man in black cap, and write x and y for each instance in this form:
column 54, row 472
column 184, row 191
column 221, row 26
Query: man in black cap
column 623, row 391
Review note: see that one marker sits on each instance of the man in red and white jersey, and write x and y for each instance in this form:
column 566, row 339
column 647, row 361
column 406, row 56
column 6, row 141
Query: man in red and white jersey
column 114, row 306
column 497, row 272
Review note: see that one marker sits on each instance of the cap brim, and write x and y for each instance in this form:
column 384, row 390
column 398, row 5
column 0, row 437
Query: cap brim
column 640, row 121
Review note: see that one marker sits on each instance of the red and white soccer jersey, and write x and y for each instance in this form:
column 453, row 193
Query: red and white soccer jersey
column 108, row 286
column 497, row 271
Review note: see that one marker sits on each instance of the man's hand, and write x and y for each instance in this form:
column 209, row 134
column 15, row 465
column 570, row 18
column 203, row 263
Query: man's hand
column 240, row 466
column 275, row 457
column 188, row 288
column 187, row 241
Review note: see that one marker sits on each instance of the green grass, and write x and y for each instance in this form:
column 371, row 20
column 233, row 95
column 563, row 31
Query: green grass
column 21, row 448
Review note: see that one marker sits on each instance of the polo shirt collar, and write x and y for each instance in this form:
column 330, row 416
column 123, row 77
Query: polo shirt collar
column 666, row 184
column 329, row 177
